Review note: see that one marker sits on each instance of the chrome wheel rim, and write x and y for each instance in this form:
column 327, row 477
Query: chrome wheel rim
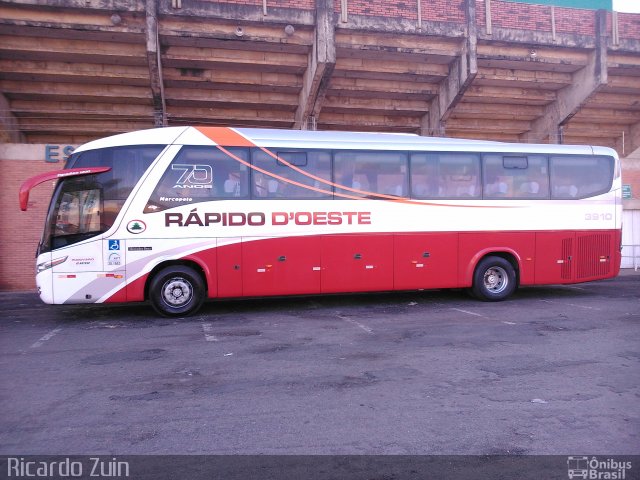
column 177, row 292
column 496, row 279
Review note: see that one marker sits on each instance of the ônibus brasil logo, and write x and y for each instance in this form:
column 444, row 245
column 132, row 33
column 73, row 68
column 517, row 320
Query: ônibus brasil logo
column 136, row 226
column 594, row 468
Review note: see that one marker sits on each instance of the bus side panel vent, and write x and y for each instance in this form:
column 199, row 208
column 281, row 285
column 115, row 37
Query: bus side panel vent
column 593, row 255
column 567, row 251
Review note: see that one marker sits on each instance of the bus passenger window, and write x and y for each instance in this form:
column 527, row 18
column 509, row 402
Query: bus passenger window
column 580, row 176
column 515, row 176
column 293, row 174
column 201, row 174
column 445, row 175
column 425, row 181
column 371, row 173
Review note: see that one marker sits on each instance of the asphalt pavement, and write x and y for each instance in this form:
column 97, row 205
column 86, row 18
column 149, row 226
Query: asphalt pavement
column 553, row 370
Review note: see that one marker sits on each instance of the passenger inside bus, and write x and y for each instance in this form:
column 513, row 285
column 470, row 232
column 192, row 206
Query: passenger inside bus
column 496, row 187
column 232, row 184
column 461, row 184
column 392, row 185
column 564, row 186
column 266, row 186
column 530, row 188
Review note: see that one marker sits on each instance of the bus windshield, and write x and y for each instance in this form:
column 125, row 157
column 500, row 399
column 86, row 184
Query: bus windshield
column 82, row 207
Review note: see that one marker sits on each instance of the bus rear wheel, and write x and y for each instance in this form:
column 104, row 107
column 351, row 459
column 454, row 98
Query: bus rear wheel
column 176, row 291
column 494, row 279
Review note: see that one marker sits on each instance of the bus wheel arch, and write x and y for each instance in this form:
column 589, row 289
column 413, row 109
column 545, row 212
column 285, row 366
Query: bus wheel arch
column 496, row 277
column 176, row 289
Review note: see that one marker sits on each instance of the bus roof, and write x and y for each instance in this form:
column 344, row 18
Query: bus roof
column 152, row 136
column 280, row 138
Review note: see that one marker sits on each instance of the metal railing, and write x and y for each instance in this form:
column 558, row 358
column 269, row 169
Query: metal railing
column 634, row 255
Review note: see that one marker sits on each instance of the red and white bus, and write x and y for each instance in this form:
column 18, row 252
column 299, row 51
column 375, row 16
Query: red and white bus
column 181, row 214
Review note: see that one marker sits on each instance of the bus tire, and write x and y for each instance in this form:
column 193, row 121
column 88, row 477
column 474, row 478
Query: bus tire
column 176, row 291
column 494, row 279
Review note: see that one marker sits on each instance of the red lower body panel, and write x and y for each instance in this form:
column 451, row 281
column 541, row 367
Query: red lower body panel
column 425, row 260
column 404, row 261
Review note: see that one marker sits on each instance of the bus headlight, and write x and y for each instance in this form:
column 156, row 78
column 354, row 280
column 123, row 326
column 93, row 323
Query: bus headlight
column 41, row 267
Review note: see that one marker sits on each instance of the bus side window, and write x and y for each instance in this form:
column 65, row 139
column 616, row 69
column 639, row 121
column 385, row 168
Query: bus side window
column 292, row 174
column 348, row 173
column 230, row 174
column 200, row 174
column 580, row 176
column 511, row 176
column 445, row 175
column 371, row 173
column 462, row 174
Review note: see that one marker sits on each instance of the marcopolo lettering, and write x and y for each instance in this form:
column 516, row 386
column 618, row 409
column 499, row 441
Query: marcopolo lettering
column 176, row 199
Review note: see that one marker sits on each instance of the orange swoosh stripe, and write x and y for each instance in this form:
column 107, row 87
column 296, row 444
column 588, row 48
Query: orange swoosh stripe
column 283, row 179
column 230, row 138
column 225, row 136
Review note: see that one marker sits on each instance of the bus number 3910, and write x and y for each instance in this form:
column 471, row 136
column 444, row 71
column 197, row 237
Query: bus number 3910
column 598, row 216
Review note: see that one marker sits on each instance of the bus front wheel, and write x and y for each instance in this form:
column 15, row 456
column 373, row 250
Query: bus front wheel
column 176, row 291
column 494, row 279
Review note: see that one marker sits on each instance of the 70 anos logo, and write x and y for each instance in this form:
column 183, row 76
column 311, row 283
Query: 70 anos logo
column 193, row 176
